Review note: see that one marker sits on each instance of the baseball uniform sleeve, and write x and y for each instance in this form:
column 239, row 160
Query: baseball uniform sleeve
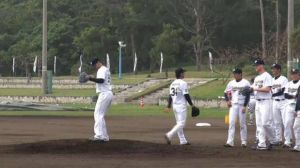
column 101, row 73
column 268, row 81
column 228, row 87
column 248, row 83
column 285, row 82
column 286, row 88
column 184, row 88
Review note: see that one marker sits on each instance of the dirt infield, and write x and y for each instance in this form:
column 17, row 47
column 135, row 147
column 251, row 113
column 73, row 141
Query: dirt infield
column 135, row 142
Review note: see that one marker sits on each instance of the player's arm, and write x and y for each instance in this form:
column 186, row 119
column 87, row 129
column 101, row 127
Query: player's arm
column 96, row 80
column 100, row 77
column 298, row 100
column 263, row 89
column 288, row 96
column 226, row 96
column 247, row 99
column 186, row 94
column 281, row 92
column 170, row 102
column 188, row 99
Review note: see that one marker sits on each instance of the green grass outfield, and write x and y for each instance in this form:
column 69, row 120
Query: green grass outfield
column 116, row 110
column 210, row 90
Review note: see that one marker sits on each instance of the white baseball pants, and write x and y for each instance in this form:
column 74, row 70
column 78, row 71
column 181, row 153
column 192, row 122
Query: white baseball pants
column 236, row 112
column 263, row 113
column 288, row 122
column 278, row 115
column 297, row 130
column 102, row 106
column 180, row 112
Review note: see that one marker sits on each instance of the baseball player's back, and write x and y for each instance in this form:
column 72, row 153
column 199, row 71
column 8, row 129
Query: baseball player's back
column 178, row 99
column 178, row 89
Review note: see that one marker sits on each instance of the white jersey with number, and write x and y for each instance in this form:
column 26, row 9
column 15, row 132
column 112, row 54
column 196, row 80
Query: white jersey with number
column 234, row 88
column 278, row 85
column 177, row 90
column 291, row 89
column 263, row 80
column 103, row 73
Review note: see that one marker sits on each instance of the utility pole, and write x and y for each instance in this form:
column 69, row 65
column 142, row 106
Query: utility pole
column 290, row 30
column 44, row 52
column 263, row 32
column 277, row 31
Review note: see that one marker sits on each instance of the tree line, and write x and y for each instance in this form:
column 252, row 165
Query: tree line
column 184, row 30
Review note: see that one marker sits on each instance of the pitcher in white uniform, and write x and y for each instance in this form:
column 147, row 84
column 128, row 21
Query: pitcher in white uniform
column 238, row 105
column 179, row 97
column 279, row 102
column 290, row 112
column 263, row 108
column 105, row 96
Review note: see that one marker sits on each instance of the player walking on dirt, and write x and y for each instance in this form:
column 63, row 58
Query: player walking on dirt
column 238, row 105
column 105, row 96
column 179, row 96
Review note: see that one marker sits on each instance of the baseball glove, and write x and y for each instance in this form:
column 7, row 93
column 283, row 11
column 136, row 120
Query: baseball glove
column 195, row 111
column 246, row 91
column 83, row 77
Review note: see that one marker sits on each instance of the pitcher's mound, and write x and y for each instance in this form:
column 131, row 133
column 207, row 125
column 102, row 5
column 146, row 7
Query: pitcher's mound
column 87, row 146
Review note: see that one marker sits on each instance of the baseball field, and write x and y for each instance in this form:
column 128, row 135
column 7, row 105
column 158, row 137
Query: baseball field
column 60, row 139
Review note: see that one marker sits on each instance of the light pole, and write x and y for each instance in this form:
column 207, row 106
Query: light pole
column 290, row 29
column 44, row 52
column 121, row 45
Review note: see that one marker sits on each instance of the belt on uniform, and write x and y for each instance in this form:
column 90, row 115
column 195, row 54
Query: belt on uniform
column 262, row 99
column 278, row 99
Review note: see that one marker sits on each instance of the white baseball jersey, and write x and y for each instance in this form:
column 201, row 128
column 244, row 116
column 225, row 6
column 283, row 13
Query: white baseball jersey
column 263, row 80
column 278, row 85
column 234, row 87
column 177, row 90
column 103, row 73
column 291, row 89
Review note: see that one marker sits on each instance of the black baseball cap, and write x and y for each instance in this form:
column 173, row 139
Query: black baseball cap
column 94, row 61
column 237, row 71
column 294, row 71
column 276, row 66
column 259, row 62
column 179, row 71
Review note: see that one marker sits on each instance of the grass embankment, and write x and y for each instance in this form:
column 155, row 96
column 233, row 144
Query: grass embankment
column 116, row 110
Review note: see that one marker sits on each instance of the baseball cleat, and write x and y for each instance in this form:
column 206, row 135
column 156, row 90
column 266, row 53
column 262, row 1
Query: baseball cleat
column 277, row 143
column 296, row 149
column 168, row 141
column 288, row 146
column 261, row 148
column 187, row 144
column 98, row 140
column 228, row 145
